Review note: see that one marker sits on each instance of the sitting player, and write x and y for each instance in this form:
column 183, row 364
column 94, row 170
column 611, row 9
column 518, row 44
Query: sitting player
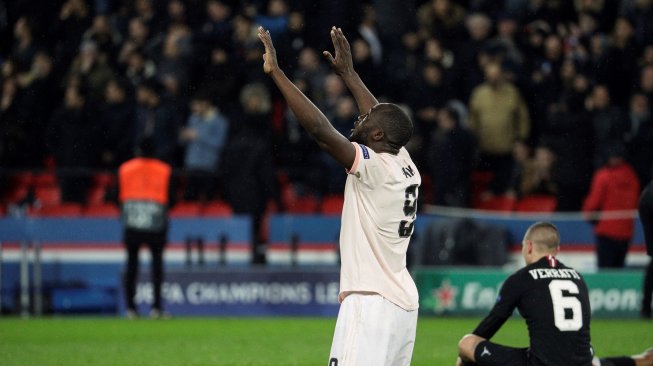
column 554, row 301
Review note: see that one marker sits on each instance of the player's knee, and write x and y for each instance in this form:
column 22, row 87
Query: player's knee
column 467, row 346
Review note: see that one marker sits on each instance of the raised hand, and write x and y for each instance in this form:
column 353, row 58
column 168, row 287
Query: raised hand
column 342, row 63
column 270, row 56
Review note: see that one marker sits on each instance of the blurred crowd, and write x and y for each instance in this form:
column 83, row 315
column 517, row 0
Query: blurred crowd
column 537, row 93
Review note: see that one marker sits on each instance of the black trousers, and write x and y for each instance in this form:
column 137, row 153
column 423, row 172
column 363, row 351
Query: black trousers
column 611, row 253
column 156, row 242
column 648, row 290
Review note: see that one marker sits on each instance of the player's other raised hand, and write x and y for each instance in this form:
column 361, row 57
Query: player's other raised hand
column 270, row 56
column 342, row 63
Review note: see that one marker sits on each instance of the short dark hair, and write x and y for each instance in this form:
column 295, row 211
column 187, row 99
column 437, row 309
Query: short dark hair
column 146, row 147
column 544, row 234
column 396, row 124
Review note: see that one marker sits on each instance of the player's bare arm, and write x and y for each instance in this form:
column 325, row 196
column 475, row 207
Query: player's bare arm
column 343, row 65
column 308, row 115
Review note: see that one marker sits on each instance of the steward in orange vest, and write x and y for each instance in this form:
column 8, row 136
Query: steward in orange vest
column 144, row 187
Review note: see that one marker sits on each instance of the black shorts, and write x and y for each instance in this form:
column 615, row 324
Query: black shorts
column 492, row 354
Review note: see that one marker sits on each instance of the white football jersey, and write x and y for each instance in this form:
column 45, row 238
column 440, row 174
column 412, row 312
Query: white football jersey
column 377, row 222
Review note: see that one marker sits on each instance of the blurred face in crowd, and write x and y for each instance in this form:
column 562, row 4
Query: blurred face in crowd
column 507, row 28
column 553, row 47
column 72, row 98
column 520, row 152
column 646, row 79
column 478, row 26
column 333, row 86
column 601, row 97
column 308, row 59
column 432, row 75
column 493, row 73
column 277, row 8
column 360, row 50
column 200, row 106
column 587, row 23
column 42, row 64
column 441, row 7
column 295, row 21
column 346, row 108
column 433, row 49
column 217, row 11
column 137, row 30
column 639, row 105
column 544, row 158
column 445, row 120
column 114, row 93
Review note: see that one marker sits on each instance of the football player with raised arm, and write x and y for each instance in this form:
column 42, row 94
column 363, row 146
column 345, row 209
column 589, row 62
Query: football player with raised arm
column 377, row 319
column 554, row 301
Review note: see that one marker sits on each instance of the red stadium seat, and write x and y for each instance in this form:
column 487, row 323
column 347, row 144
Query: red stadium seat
column 102, row 210
column 480, row 182
column 98, row 190
column 17, row 188
column 332, row 205
column 303, row 205
column 217, row 208
column 537, row 203
column 59, row 210
column 48, row 195
column 186, row 209
column 46, row 179
column 499, row 203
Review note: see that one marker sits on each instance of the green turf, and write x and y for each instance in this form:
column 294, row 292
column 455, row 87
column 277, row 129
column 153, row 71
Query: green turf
column 248, row 341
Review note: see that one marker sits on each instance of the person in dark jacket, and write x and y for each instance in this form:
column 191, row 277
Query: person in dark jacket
column 646, row 215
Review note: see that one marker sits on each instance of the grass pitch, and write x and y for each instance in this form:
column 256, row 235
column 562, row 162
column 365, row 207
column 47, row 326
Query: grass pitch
column 250, row 341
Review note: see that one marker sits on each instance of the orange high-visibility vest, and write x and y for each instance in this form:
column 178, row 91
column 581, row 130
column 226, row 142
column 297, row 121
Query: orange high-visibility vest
column 144, row 179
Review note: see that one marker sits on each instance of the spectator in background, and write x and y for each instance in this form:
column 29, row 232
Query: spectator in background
column 175, row 57
column 157, row 119
column 104, row 35
column 615, row 187
column 217, row 27
column 293, row 40
column 247, row 166
column 639, row 137
column 144, row 184
column 138, row 38
column 646, row 215
column 275, row 18
column 71, row 141
column 334, row 91
column 222, row 78
column 37, row 89
column 24, row 48
column 75, row 18
column 479, row 28
column 645, row 82
column 116, row 118
column 298, row 154
column 623, row 52
column 443, row 19
column 313, row 71
column 426, row 96
column 204, row 138
column 138, row 68
column 333, row 181
column 537, row 176
column 14, row 131
column 608, row 122
column 499, row 118
column 450, row 160
column 92, row 67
